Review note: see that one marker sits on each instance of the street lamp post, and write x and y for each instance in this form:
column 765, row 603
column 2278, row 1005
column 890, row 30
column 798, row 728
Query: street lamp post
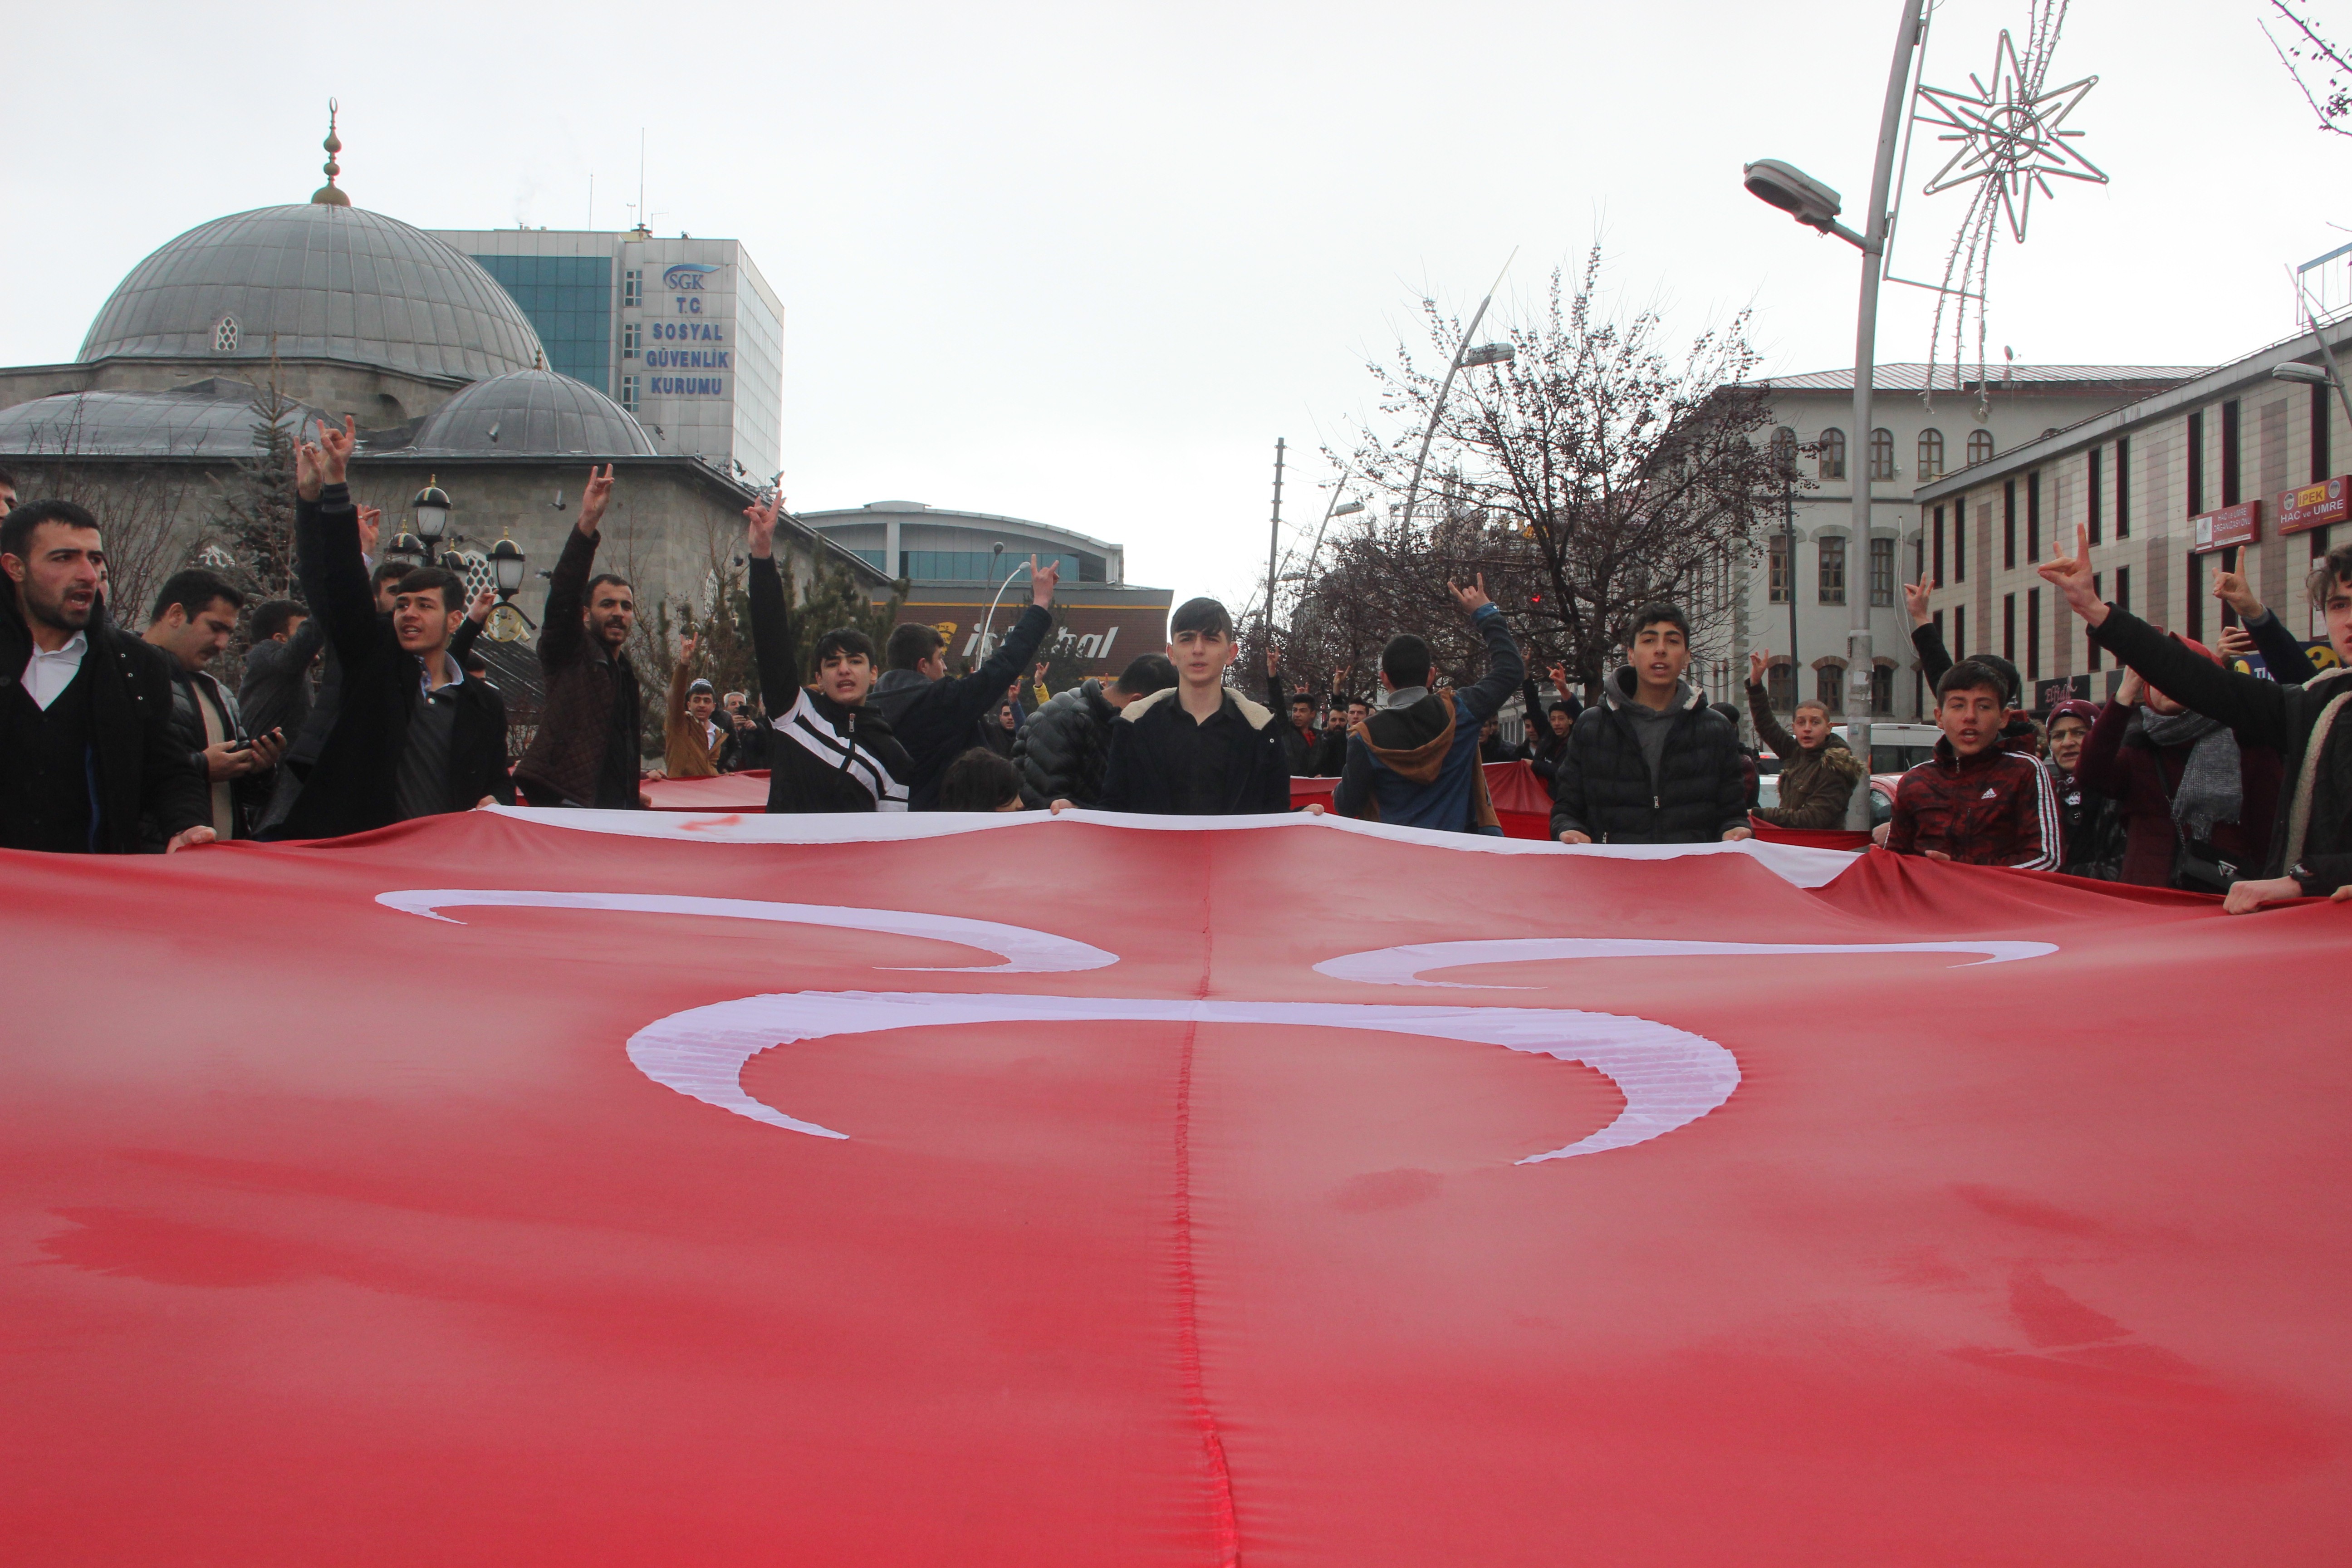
column 1816, row 205
column 2314, row 375
column 432, row 509
column 1484, row 353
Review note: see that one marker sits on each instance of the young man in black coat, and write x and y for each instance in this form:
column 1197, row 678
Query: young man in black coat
column 414, row 737
column 2311, row 838
column 86, row 751
column 1651, row 762
column 934, row 718
column 829, row 749
column 1062, row 750
column 194, row 616
column 1198, row 749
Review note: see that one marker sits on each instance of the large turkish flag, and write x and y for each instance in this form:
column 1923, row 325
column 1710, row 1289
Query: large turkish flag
column 639, row 1189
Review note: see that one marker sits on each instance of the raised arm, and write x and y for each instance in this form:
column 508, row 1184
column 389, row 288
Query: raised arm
column 772, row 648
column 561, row 633
column 2257, row 709
column 1760, row 708
column 2100, row 765
column 985, row 686
column 1505, row 667
column 2283, row 656
column 328, row 562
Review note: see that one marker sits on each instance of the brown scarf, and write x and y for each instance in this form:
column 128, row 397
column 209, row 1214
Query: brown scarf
column 1422, row 763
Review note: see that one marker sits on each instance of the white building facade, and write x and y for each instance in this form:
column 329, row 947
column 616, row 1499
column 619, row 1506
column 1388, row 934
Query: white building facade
column 1795, row 598
column 684, row 333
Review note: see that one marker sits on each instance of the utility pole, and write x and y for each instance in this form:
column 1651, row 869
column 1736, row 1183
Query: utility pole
column 1273, row 541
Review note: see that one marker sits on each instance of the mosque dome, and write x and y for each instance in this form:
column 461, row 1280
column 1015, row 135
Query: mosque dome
column 322, row 279
column 532, row 413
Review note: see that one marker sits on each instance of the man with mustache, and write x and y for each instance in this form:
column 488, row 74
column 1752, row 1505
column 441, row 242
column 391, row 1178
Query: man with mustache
column 86, row 742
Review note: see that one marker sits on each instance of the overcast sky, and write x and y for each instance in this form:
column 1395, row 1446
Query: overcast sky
column 1084, row 263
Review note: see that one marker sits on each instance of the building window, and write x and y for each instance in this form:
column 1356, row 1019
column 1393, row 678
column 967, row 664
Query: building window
column 224, row 335
column 1828, row 687
column 629, row 331
column 2230, row 496
column 1882, row 572
column 1781, row 577
column 2032, row 634
column 1882, row 454
column 2034, row 517
column 2008, row 524
column 1979, row 446
column 1881, row 690
column 2123, row 588
column 2195, row 630
column 1938, row 580
column 632, row 288
column 1959, row 633
column 629, row 392
column 2091, row 497
column 2008, row 628
column 1784, row 452
column 1781, row 685
column 2123, row 491
column 2322, row 414
column 568, row 299
column 2196, row 465
column 1833, row 458
column 1833, row 570
column 1931, row 454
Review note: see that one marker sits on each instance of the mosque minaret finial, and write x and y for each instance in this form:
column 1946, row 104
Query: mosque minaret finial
column 327, row 195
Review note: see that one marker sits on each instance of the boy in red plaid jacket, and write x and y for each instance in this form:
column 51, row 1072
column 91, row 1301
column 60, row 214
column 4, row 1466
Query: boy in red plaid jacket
column 1976, row 802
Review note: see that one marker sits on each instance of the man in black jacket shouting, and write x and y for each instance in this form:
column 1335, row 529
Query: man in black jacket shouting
column 86, row 742
column 1651, row 762
column 414, row 737
column 935, row 718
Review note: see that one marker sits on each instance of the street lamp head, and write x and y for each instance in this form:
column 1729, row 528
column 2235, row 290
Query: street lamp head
column 2295, row 369
column 506, row 562
column 432, row 509
column 1793, row 191
column 406, row 547
column 1489, row 354
column 1351, row 510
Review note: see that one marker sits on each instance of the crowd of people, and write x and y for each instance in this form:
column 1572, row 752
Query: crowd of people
column 362, row 704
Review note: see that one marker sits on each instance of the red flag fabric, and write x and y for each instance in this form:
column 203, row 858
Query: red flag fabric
column 1522, row 805
column 627, row 1188
column 746, row 791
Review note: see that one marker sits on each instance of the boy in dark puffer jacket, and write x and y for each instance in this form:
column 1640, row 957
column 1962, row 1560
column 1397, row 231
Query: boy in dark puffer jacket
column 1818, row 769
column 1651, row 762
column 1062, row 750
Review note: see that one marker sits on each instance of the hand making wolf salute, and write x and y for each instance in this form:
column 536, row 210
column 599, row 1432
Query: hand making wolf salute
column 585, row 753
column 413, row 736
column 1415, row 762
column 831, row 749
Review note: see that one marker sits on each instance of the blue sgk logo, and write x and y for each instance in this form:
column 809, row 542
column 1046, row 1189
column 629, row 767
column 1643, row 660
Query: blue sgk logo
column 688, row 275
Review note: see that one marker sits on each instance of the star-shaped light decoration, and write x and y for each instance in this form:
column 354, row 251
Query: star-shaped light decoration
column 2008, row 135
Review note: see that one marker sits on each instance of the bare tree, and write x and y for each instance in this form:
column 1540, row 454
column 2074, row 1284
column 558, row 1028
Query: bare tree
column 257, row 498
column 1594, row 472
column 2321, row 69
